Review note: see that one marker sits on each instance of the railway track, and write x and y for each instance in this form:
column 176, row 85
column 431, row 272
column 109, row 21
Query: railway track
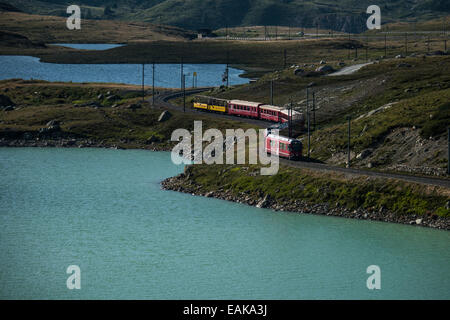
column 163, row 100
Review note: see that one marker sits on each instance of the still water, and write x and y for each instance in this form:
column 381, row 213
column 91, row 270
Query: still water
column 89, row 46
column 104, row 211
column 166, row 75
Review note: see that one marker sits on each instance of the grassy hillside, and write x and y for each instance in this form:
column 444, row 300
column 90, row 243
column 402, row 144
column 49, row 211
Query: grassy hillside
column 52, row 29
column 98, row 112
column 345, row 15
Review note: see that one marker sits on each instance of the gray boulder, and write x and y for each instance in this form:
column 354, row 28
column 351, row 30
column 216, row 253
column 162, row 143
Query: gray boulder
column 165, row 115
column 298, row 72
column 52, row 123
column 8, row 108
column 5, row 101
column 325, row 69
column 364, row 154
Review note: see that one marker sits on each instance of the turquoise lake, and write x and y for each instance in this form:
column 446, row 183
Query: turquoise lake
column 166, row 75
column 104, row 211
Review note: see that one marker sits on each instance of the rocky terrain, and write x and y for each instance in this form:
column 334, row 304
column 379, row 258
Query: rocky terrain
column 185, row 183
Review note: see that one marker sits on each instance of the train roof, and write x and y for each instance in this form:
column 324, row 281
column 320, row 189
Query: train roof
column 208, row 97
column 294, row 112
column 282, row 138
column 271, row 107
column 245, row 103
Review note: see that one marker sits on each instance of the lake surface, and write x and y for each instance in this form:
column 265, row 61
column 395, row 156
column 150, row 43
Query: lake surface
column 89, row 46
column 166, row 75
column 104, row 211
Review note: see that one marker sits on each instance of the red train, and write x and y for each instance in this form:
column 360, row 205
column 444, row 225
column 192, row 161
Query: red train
column 283, row 146
column 246, row 109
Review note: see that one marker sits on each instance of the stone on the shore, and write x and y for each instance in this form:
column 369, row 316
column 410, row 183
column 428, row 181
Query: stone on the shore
column 325, row 69
column 5, row 101
column 364, row 154
column 263, row 202
column 53, row 123
column 152, row 139
column 165, row 115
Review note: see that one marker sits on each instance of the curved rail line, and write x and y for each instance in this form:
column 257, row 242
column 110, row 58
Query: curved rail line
column 163, row 100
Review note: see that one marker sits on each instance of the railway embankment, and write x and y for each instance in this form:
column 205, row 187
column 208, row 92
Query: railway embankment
column 311, row 192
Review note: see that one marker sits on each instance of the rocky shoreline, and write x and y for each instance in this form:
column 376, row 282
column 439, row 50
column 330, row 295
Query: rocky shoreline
column 76, row 143
column 183, row 183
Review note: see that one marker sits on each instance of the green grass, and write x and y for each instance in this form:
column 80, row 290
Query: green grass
column 41, row 102
column 291, row 184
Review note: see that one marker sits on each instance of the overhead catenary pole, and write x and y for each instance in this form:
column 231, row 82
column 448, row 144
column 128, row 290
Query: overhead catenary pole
column 367, row 48
column 406, row 44
column 290, row 118
column 143, row 82
column 182, row 73
column 348, row 143
column 153, row 83
column 227, row 71
column 314, row 110
column 307, row 120
column 271, row 92
column 448, row 150
column 385, row 45
column 184, row 92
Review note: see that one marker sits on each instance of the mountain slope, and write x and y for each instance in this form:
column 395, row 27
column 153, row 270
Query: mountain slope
column 344, row 15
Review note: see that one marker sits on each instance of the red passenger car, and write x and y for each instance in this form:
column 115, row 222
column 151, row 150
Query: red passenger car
column 268, row 112
column 244, row 108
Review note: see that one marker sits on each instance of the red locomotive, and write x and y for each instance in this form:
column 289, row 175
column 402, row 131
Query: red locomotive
column 283, row 146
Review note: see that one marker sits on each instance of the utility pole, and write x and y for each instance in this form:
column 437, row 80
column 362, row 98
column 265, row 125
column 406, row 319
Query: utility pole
column 307, row 119
column 448, row 151
column 184, row 92
column 182, row 74
column 290, row 118
column 285, row 60
column 385, row 45
column 367, row 48
column 406, row 44
column 153, row 83
column 271, row 92
column 228, row 68
column 348, row 143
column 314, row 110
column 143, row 89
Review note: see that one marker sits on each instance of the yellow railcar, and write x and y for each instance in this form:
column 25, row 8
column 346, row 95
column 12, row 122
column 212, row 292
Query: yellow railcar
column 210, row 104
